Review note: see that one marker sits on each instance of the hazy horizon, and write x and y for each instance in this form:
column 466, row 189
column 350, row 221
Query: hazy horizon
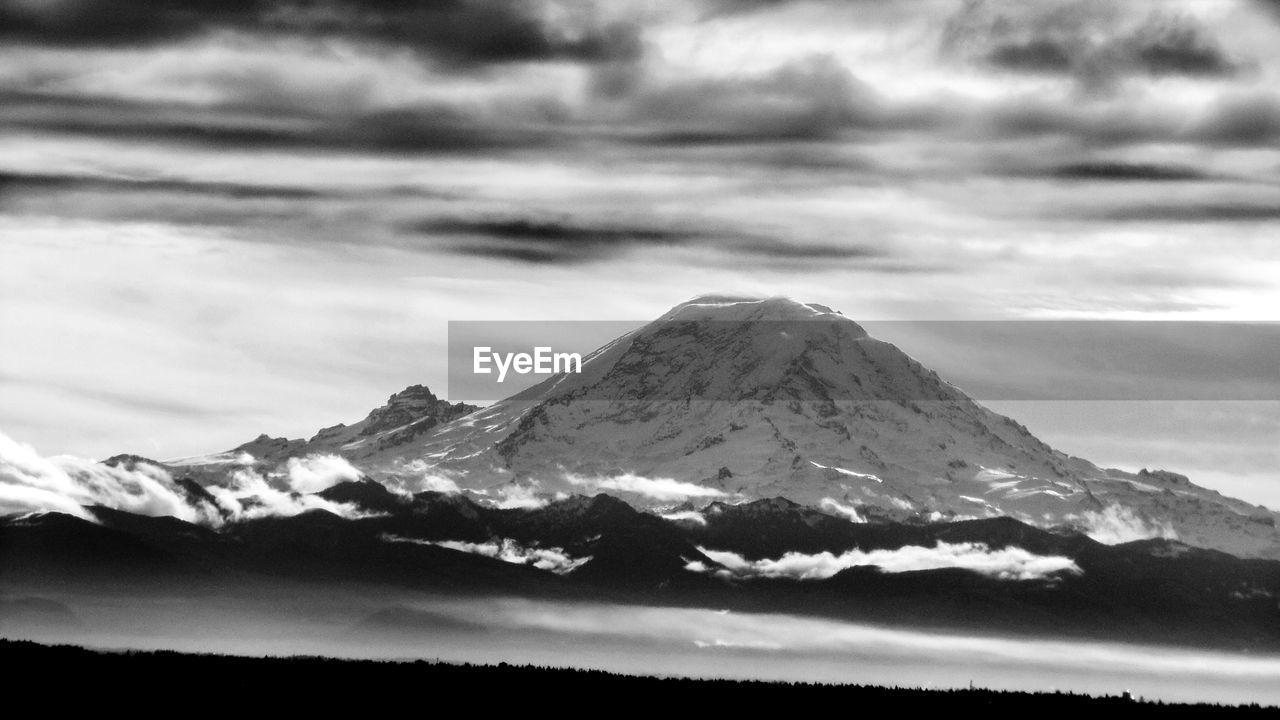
column 667, row 641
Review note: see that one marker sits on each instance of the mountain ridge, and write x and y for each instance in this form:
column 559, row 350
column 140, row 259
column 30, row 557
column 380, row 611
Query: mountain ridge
column 769, row 555
column 736, row 399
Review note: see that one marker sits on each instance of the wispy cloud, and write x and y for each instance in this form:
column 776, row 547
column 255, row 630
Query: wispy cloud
column 30, row 482
column 1117, row 524
column 661, row 489
column 848, row 511
column 1010, row 563
column 690, row 516
column 249, row 494
column 313, row 473
column 515, row 495
column 552, row 559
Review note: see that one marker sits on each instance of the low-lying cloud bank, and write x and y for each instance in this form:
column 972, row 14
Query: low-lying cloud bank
column 691, row 516
column 870, row 654
column 847, row 511
column 250, row 495
column 1117, row 524
column 523, row 495
column 30, row 482
column 553, row 559
column 1011, row 563
column 512, row 496
column 418, row 476
column 314, row 473
column 661, row 489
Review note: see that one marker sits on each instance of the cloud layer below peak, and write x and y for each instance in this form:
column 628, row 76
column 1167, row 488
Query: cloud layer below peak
column 1010, row 563
column 32, row 483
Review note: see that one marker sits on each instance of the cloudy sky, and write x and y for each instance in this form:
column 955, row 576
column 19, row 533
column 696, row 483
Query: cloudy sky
column 219, row 219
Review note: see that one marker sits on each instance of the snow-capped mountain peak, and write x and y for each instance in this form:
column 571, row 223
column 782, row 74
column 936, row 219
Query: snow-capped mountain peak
column 733, row 399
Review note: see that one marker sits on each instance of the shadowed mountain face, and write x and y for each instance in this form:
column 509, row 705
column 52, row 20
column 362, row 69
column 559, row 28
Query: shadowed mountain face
column 736, row 399
column 765, row 556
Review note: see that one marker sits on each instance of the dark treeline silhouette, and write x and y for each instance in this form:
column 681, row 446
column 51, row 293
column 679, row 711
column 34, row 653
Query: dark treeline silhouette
column 293, row 683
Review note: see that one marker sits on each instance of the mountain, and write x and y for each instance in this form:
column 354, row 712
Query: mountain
column 736, row 454
column 741, row 399
column 407, row 416
column 602, row 549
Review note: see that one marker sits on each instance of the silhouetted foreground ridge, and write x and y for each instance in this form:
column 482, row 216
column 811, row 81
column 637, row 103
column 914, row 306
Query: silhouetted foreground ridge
column 296, row 682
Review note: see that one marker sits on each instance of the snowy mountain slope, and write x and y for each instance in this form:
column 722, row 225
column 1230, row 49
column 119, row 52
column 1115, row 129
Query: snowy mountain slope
column 407, row 415
column 737, row 399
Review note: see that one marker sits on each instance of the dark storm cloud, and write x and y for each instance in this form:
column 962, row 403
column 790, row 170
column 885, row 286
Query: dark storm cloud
column 318, row 204
column 31, row 183
column 1123, row 171
column 160, row 121
column 17, row 182
column 803, row 99
column 416, row 128
column 461, row 32
column 1035, row 55
column 807, row 251
column 465, row 32
column 230, row 96
column 118, row 22
column 1094, row 43
column 114, row 116
column 712, row 9
column 1235, row 119
column 1196, row 212
column 784, row 256
column 1174, row 48
column 812, row 98
column 438, row 128
column 169, row 201
column 717, row 8
column 1271, row 6
column 1025, row 117
column 546, row 241
column 1090, row 171
column 568, row 241
column 1245, row 120
column 526, row 230
column 807, row 99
